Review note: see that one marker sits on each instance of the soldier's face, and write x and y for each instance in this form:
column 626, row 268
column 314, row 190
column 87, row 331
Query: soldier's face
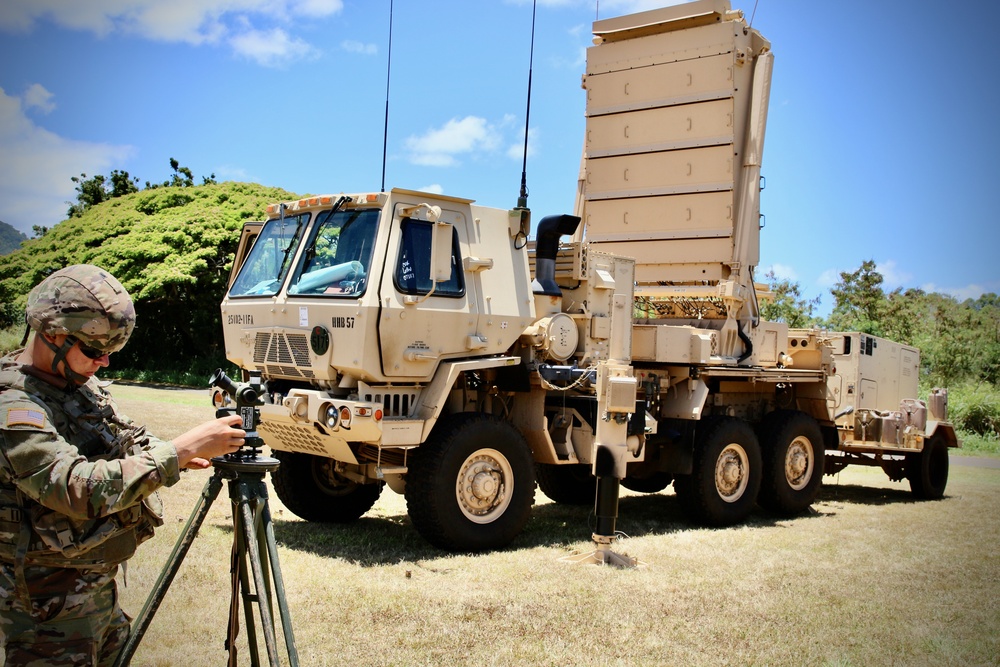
column 78, row 361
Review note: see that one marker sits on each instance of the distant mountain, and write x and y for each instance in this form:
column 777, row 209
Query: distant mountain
column 10, row 238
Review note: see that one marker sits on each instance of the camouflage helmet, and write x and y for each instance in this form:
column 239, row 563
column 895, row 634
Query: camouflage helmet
column 85, row 302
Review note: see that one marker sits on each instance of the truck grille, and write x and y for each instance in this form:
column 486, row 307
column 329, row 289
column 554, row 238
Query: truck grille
column 283, row 353
column 292, row 438
column 394, row 403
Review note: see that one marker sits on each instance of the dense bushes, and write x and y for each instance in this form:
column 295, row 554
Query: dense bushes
column 172, row 248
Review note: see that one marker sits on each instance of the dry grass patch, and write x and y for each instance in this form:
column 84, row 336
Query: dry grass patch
column 870, row 577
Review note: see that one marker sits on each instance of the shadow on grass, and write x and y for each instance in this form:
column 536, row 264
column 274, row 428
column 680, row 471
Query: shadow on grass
column 857, row 494
column 386, row 540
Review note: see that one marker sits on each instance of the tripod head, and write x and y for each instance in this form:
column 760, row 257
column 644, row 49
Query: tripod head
column 247, row 397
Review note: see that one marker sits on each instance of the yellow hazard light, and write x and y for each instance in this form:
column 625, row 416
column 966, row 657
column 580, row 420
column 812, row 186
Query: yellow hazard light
column 371, row 198
column 325, row 199
column 313, row 201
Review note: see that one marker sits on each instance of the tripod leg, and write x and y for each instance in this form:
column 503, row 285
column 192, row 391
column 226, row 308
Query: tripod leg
column 181, row 547
column 263, row 603
column 279, row 584
column 241, row 579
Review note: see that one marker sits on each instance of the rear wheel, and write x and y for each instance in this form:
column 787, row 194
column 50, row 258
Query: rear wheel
column 928, row 469
column 311, row 489
column 725, row 479
column 471, row 485
column 792, row 452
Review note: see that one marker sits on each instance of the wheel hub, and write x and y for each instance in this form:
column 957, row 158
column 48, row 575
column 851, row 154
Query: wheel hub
column 798, row 463
column 484, row 484
column 731, row 473
column 481, row 488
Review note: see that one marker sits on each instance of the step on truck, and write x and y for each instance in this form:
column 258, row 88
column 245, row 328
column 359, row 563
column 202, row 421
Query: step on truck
column 421, row 342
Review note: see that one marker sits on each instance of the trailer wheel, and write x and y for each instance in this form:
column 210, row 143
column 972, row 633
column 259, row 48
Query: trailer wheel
column 311, row 489
column 928, row 470
column 792, row 452
column 567, row 484
column 471, row 485
column 725, row 480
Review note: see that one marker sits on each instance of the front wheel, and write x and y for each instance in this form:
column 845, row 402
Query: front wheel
column 928, row 469
column 725, row 479
column 470, row 487
column 792, row 445
column 310, row 487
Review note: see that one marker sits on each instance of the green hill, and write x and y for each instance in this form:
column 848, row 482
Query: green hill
column 171, row 247
column 10, row 238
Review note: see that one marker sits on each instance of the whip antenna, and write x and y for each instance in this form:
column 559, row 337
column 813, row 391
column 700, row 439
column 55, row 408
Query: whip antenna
column 388, row 70
column 522, row 200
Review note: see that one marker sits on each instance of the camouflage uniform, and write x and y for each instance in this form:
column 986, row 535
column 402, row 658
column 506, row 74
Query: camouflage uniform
column 77, row 488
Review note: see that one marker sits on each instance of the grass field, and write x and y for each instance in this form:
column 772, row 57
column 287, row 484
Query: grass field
column 869, row 577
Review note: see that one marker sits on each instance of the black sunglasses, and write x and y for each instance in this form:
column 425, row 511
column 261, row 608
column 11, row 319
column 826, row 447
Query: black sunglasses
column 89, row 352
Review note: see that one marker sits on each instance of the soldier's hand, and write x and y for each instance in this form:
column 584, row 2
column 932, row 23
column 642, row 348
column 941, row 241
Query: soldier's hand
column 205, row 441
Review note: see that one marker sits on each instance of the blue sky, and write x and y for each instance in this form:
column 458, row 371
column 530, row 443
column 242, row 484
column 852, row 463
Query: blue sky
column 881, row 141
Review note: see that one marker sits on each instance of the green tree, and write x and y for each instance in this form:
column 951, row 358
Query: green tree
column 93, row 191
column 786, row 304
column 858, row 301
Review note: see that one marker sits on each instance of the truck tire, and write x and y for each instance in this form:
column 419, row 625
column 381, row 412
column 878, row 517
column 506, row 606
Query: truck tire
column 310, row 488
column 927, row 470
column 725, row 480
column 792, row 452
column 471, row 485
column 570, row 484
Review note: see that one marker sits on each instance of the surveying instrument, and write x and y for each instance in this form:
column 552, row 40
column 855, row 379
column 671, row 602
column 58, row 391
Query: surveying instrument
column 253, row 535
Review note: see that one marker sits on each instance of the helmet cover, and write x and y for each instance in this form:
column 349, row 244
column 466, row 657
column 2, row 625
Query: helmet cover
column 86, row 302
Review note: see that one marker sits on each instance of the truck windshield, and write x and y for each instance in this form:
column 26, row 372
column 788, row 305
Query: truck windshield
column 266, row 266
column 337, row 259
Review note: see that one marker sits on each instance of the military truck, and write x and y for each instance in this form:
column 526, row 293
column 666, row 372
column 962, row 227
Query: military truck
column 422, row 342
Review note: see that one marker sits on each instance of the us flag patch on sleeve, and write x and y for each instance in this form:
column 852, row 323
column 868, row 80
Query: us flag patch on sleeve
column 25, row 417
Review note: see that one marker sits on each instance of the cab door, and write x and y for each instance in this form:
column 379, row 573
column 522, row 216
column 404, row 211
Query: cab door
column 423, row 320
column 251, row 230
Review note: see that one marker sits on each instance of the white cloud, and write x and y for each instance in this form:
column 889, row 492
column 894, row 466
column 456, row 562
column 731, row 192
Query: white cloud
column 828, row 278
column 971, row 291
column 516, row 150
column 228, row 172
column 892, row 275
column 37, row 97
column 245, row 25
column 35, row 173
column 441, row 147
column 273, row 48
column 782, row 272
column 433, row 188
column 352, row 46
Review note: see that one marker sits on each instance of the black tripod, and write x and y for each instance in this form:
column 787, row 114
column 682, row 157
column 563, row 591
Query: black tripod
column 253, row 534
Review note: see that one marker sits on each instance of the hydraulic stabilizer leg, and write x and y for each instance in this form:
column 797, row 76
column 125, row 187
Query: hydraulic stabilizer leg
column 606, row 509
column 616, row 400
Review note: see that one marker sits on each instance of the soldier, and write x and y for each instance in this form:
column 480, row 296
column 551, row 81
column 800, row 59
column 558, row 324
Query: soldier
column 77, row 481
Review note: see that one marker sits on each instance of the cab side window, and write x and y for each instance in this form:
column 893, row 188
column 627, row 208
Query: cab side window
column 412, row 274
